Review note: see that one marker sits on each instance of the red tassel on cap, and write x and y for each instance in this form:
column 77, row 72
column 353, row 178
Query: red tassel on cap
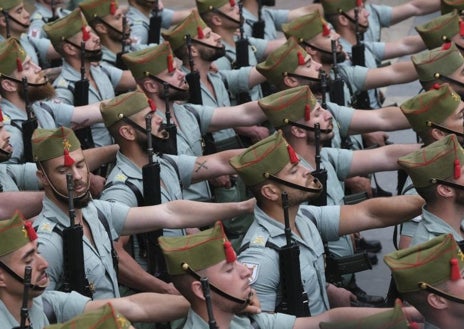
column 152, row 105
column 85, row 34
column 461, row 28
column 325, row 30
column 1, row 115
column 307, row 114
column 19, row 64
column 232, row 3
column 200, row 33
column 446, row 46
column 68, row 161
column 457, row 169
column 301, row 59
column 31, row 233
column 436, row 86
column 231, row 256
column 455, row 271
column 113, row 7
column 292, row 155
column 170, row 60
column 359, row 3
column 413, row 325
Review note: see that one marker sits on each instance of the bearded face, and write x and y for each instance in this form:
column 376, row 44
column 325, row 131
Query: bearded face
column 37, row 93
column 210, row 54
column 327, row 58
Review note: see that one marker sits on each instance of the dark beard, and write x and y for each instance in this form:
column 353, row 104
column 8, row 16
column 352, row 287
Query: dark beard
column 210, row 54
column 327, row 58
column 79, row 202
column 4, row 155
column 93, row 55
column 176, row 95
column 160, row 145
column 37, row 93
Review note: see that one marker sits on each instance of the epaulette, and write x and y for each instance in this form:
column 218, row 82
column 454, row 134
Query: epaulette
column 36, row 16
column 120, row 177
column 61, row 83
column 46, row 227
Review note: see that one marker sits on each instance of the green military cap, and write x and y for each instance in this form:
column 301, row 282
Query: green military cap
column 284, row 59
column 192, row 24
column 52, row 143
column 441, row 160
column 433, row 262
column 65, row 27
column 267, row 157
column 6, row 5
column 449, row 5
column 123, row 105
column 105, row 317
column 306, row 27
column 98, row 8
column 288, row 105
column 338, row 6
column 12, row 55
column 15, row 233
column 204, row 6
column 439, row 30
column 197, row 251
column 435, row 105
column 391, row 319
column 431, row 64
column 151, row 60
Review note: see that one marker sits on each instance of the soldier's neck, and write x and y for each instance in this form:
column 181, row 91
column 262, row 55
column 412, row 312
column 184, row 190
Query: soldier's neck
column 226, row 35
column 223, row 319
column 252, row 6
column 144, row 10
column 348, row 35
column 14, row 303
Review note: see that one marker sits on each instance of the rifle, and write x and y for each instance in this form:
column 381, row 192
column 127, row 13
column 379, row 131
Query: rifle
column 193, row 77
column 324, row 87
column 119, row 62
column 258, row 27
column 336, row 93
column 361, row 100
column 241, row 58
column 209, row 307
column 319, row 173
column 24, row 306
column 294, row 298
column 169, row 126
column 73, row 252
column 29, row 125
column 54, row 15
column 154, row 30
column 81, row 97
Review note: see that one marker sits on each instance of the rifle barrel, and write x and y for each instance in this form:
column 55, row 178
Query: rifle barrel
column 209, row 307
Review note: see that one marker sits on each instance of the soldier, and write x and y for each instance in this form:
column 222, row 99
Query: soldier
column 18, row 249
column 45, row 11
column 208, row 256
column 58, row 152
column 443, row 29
column 450, row 5
column 429, row 277
column 271, row 167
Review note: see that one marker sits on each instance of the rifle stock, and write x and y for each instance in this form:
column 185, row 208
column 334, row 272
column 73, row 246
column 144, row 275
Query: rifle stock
column 259, row 26
column 29, row 125
column 124, row 36
column 154, row 31
column 25, row 303
column 242, row 57
column 193, row 77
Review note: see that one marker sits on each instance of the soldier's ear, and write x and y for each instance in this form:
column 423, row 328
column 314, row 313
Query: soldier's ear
column 2, row 21
column 215, row 20
column 9, row 86
column 270, row 192
column 127, row 132
column 2, row 278
column 437, row 134
column 197, row 290
column 290, row 82
column 43, row 181
column 437, row 302
column 100, row 28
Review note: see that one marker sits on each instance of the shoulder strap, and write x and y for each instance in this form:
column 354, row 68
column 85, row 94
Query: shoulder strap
column 132, row 187
column 106, row 225
column 174, row 165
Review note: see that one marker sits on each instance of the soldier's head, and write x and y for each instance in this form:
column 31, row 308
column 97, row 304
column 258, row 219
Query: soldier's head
column 206, row 45
column 271, row 167
column 126, row 117
column 105, row 17
column 14, row 18
column 70, row 34
column 342, row 14
column 440, row 30
column 448, row 6
column 18, row 249
column 290, row 66
column 219, row 13
column 16, row 66
column 429, row 277
column 105, row 317
column 157, row 72
column 444, row 64
column 5, row 147
column 207, row 254
column 315, row 36
column 435, row 113
column 436, row 171
column 58, row 152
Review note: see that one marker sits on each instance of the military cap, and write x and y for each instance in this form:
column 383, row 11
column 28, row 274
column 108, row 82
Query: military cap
column 52, row 143
column 98, row 8
column 192, row 24
column 431, row 64
column 435, row 105
column 449, row 5
column 306, row 27
column 391, row 319
column 15, row 233
column 12, row 55
column 105, row 317
column 433, row 262
column 65, row 27
column 205, row 6
column 151, row 60
column 197, row 251
column 288, row 105
column 267, row 157
column 441, row 160
column 439, row 30
column 123, row 105
column 284, row 59
column 332, row 7
column 6, row 5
